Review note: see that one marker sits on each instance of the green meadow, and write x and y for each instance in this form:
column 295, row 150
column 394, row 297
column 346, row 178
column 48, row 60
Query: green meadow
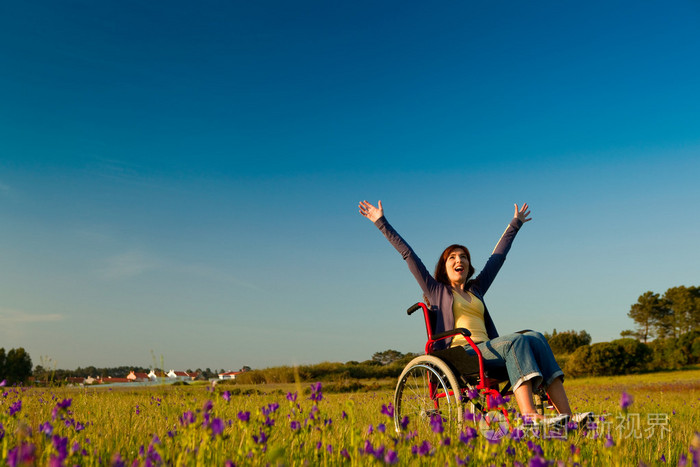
column 301, row 424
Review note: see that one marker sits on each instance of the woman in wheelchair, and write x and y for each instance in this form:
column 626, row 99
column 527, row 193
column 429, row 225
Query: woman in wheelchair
column 459, row 299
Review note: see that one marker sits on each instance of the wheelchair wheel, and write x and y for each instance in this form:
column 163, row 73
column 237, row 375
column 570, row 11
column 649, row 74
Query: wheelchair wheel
column 413, row 396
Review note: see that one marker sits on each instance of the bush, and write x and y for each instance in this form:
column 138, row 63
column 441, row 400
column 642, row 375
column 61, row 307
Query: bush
column 568, row 341
column 619, row 357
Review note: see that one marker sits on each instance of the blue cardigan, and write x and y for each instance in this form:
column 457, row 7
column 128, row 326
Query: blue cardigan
column 439, row 294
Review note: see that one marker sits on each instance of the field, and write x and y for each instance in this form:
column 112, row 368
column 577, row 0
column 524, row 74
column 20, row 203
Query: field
column 648, row 419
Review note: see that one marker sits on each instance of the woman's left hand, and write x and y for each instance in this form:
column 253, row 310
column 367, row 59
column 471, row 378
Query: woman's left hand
column 522, row 213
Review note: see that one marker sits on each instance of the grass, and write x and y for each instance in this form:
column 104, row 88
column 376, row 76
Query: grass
column 293, row 424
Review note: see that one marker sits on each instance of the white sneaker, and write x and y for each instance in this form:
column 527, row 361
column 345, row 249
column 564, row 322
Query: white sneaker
column 557, row 421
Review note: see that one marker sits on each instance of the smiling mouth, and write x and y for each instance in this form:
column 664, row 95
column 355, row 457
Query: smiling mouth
column 459, row 268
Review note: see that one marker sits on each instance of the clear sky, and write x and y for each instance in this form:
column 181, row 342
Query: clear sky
column 181, row 179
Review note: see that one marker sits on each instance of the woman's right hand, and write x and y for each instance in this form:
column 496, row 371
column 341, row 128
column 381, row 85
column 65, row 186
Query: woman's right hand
column 370, row 212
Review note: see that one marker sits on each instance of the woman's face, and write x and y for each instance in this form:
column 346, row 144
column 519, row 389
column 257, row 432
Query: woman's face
column 457, row 266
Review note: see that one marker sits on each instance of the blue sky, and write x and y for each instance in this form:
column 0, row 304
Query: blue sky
column 181, row 180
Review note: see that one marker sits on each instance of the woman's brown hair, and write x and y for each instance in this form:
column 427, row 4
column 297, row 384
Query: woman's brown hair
column 441, row 269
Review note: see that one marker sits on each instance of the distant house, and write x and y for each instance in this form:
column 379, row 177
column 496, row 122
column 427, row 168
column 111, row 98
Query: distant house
column 75, row 380
column 229, row 374
column 90, row 380
column 153, row 376
column 110, row 380
column 137, row 377
column 179, row 375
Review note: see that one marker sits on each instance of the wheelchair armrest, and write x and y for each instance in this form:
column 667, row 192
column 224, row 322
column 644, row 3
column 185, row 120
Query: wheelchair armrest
column 415, row 307
column 441, row 335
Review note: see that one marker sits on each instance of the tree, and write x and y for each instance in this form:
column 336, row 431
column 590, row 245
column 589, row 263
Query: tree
column 683, row 304
column 16, row 366
column 650, row 314
column 387, row 357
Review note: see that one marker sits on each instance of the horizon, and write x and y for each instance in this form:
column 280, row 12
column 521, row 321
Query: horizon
column 182, row 181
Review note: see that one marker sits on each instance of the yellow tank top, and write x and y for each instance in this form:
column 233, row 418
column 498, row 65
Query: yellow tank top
column 469, row 315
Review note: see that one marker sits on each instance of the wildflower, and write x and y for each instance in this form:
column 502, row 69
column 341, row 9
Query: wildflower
column 367, row 448
column 370, row 429
column 663, row 458
column 343, row 415
column 262, row 439
column 379, row 452
column 316, row 394
column 446, row 441
column 294, row 425
column 424, row 449
column 473, row 394
column 517, row 434
column 117, row 460
column 2, row 432
column 79, row 427
column 388, row 410
column 270, row 408
column 22, row 454
column 467, row 435
column 227, row 396
column 3, row 383
column 381, row 428
column 329, row 448
column 436, row 424
column 535, row 448
column 345, row 453
column 537, row 461
column 45, row 428
column 291, row 397
column 217, row 427
column 497, row 400
column 61, row 446
column 510, row 450
column 16, row 407
column 625, row 401
column 208, row 405
column 244, row 416
column 404, row 422
column 461, row 461
column 391, row 457
column 609, row 441
column 187, row 418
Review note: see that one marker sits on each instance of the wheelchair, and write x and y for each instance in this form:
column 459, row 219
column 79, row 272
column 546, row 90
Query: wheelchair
column 451, row 383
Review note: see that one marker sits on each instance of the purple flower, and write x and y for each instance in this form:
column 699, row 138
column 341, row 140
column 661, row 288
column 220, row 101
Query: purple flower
column 294, row 425
column 262, row 439
column 391, row 457
column 467, row 435
column 45, row 428
column 16, row 407
column 244, row 416
column 117, row 460
column 217, row 426
column 436, row 424
column 517, row 434
column 3, row 383
column 187, row 418
column 424, row 449
column 536, row 449
column 609, row 441
column 61, row 446
column 344, row 415
column 291, row 397
column 316, row 394
column 345, row 453
column 510, row 450
column 270, row 408
column 208, row 405
column 227, row 396
column 537, row 461
column 404, row 422
column 388, row 410
column 20, row 455
column 381, row 428
column 625, row 400
column 367, row 448
column 473, row 394
column 446, row 441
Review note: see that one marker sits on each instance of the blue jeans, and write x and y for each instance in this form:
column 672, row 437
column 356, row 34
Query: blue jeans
column 526, row 357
